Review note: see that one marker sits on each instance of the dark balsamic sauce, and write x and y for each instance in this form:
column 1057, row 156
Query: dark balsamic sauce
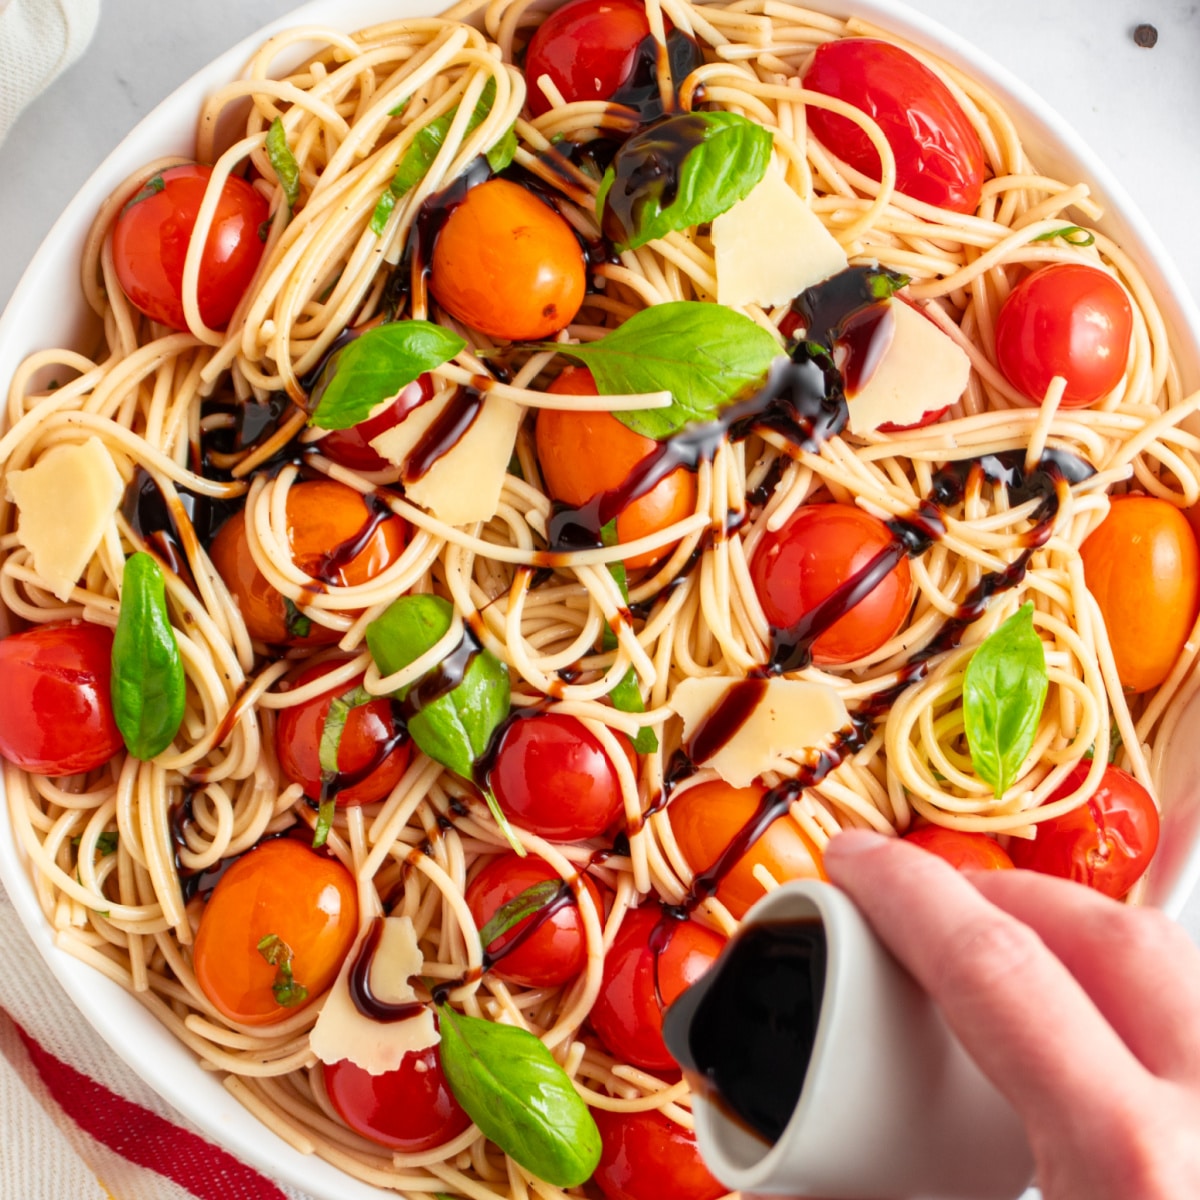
column 359, row 981
column 447, row 430
column 642, row 92
column 335, row 560
column 723, row 723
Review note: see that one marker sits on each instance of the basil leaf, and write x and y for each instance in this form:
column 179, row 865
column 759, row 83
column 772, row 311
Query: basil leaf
column 374, row 366
column 680, row 172
column 1073, row 235
column 283, row 163
column 504, row 151
column 298, row 625
column 524, row 904
column 423, row 149
column 339, row 711
column 608, row 537
column 512, row 1088
column 456, row 727
column 151, row 187
column 1004, row 691
column 705, row 355
column 627, row 696
column 288, row 993
column 106, row 844
column 148, row 681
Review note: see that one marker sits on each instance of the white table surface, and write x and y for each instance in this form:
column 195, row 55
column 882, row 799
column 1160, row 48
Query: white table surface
column 1140, row 108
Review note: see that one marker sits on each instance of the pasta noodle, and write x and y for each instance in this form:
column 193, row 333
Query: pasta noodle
column 108, row 848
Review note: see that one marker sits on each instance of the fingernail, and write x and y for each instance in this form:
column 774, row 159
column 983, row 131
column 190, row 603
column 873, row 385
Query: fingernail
column 851, row 842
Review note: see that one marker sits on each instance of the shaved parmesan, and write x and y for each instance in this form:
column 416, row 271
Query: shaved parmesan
column 921, row 371
column 343, row 1032
column 464, row 485
column 770, row 246
column 791, row 717
column 65, row 502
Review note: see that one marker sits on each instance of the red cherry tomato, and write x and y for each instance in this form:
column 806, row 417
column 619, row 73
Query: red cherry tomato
column 818, row 549
column 966, row 851
column 553, row 954
column 410, row 1109
column 352, row 447
column 1107, row 842
column 58, row 717
column 585, row 453
column 552, row 776
column 652, row 960
column 507, row 264
column 587, row 47
column 307, row 900
column 1142, row 565
column 1066, row 319
column 646, row 1156
column 705, row 820
column 324, row 519
column 373, row 752
column 150, row 244
column 939, row 157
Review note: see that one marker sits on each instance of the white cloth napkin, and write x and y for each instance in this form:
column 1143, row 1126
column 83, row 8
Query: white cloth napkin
column 39, row 39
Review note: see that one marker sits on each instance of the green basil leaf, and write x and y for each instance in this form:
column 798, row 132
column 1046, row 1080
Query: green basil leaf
column 608, row 537
column 298, row 625
column 423, row 149
column 1004, row 691
column 627, row 696
column 148, row 681
column 512, row 1088
column 325, row 814
column 151, row 187
column 524, row 904
column 283, row 162
column 504, row 151
column 106, row 844
column 705, row 355
column 720, row 157
column 288, row 993
column 1074, row 235
column 339, row 711
column 374, row 366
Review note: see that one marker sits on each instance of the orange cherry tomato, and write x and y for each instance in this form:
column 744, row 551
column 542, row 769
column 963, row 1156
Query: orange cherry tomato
column 507, row 264
column 585, row 453
column 308, row 901
column 966, row 851
column 1142, row 564
column 705, row 819
column 820, row 547
column 373, row 752
column 335, row 535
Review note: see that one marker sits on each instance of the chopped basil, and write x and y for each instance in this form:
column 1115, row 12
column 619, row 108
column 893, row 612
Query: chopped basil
column 533, row 899
column 627, row 696
column 283, row 163
column 298, row 625
column 1074, row 235
column 288, row 993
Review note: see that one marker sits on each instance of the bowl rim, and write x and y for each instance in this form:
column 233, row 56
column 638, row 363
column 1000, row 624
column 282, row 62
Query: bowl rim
column 143, row 1044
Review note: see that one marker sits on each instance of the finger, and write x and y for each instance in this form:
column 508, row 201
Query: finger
column 1014, row 1007
column 1140, row 968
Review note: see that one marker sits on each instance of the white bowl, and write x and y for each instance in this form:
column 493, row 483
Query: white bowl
column 47, row 309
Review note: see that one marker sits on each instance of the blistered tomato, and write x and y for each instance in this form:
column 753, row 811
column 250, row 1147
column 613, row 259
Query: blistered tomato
column 335, row 535
column 647, row 1156
column 150, row 244
column 939, row 157
column 1066, row 319
column 705, row 820
column 582, row 454
column 507, row 264
column 818, row 549
column 373, row 748
column 1106, row 843
column 58, row 717
column 284, row 901
column 652, row 959
column 1142, row 565
column 966, row 851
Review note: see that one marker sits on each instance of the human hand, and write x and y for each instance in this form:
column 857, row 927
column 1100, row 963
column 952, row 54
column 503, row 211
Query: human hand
column 1085, row 1013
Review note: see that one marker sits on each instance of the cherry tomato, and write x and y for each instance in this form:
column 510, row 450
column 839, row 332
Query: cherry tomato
column 410, row 1109
column 819, row 548
column 705, row 820
column 507, row 264
column 282, row 888
column 552, row 776
column 373, row 752
column 557, row 951
column 939, row 157
column 646, row 1156
column 58, row 717
column 325, row 521
column 150, row 244
column 966, row 851
column 587, row 47
column 352, row 447
column 585, row 453
column 1107, row 842
column 1142, row 565
column 652, row 960
column 1066, row 319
